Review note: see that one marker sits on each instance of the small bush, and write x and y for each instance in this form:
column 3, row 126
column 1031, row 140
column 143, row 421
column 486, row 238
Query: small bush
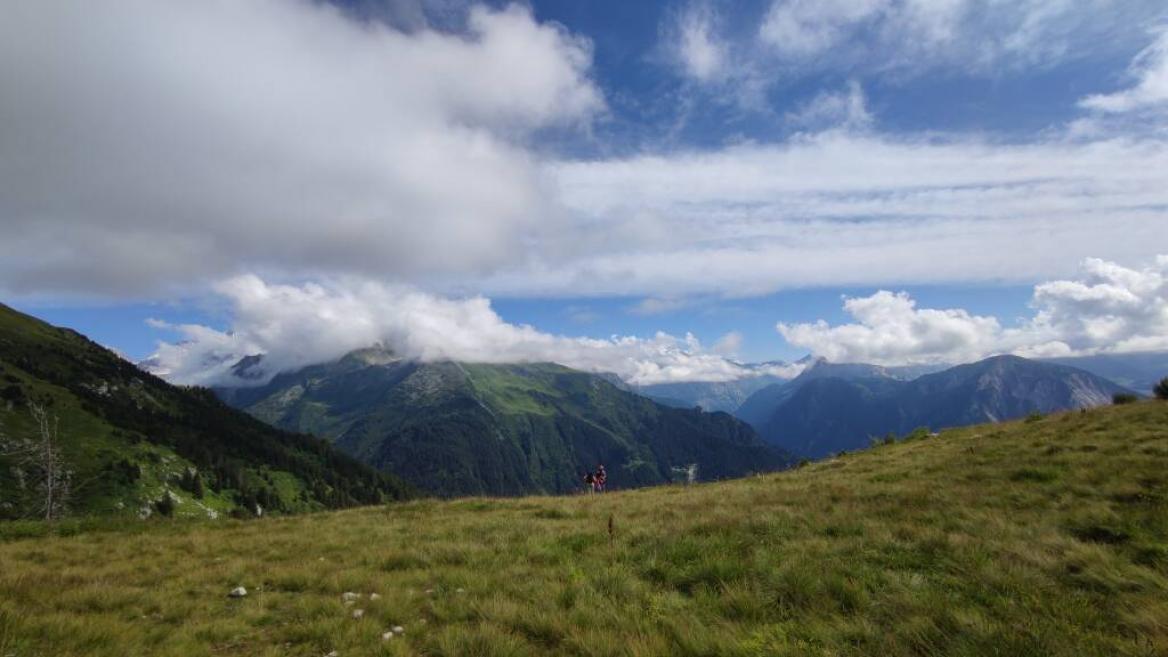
column 1034, row 417
column 1161, row 389
column 165, row 505
column 1121, row 398
column 920, row 433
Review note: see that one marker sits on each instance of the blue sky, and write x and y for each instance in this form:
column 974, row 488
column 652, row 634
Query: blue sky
column 594, row 169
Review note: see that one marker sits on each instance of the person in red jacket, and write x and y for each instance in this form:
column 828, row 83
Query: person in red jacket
column 601, row 478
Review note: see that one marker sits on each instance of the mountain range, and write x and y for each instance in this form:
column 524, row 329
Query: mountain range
column 372, row 426
column 474, row 429
column 836, row 407
column 134, row 444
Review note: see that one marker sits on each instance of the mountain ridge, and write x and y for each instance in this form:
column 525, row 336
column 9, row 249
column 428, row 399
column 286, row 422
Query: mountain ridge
column 842, row 408
column 133, row 439
column 546, row 424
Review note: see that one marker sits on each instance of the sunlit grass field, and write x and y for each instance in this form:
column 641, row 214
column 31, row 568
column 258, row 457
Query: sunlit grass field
column 1042, row 537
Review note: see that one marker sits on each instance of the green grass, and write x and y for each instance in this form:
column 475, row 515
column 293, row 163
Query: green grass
column 1041, row 537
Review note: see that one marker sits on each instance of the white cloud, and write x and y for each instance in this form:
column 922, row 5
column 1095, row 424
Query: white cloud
column 158, row 142
column 1111, row 309
column 656, row 306
column 728, row 345
column 295, row 326
column 1149, row 70
column 889, row 329
column 846, row 109
column 699, row 51
column 805, row 28
column 974, row 36
column 284, row 138
column 848, row 208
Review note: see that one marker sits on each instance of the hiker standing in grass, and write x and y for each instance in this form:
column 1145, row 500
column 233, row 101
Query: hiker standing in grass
column 601, row 477
column 589, row 483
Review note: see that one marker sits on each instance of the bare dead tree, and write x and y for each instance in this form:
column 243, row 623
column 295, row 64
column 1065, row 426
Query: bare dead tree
column 40, row 465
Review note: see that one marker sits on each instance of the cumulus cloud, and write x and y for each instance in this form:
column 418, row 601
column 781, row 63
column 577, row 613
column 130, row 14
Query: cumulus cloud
column 890, row 329
column 1110, row 309
column 297, row 325
column 155, row 142
column 974, row 36
column 1149, row 70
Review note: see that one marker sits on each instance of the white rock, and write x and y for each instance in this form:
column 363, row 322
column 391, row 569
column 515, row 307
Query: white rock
column 374, row 596
column 386, row 636
column 238, row 592
column 333, row 654
column 358, row 613
column 461, row 591
column 349, row 596
column 398, row 629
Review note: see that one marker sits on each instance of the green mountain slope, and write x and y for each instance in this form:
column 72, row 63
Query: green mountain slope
column 457, row 429
column 1044, row 538
column 131, row 439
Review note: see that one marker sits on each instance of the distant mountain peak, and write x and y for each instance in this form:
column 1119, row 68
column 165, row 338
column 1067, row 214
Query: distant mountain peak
column 840, row 406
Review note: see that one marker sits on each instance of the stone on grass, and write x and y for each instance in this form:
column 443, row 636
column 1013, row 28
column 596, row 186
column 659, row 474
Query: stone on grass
column 386, row 636
column 398, row 629
column 334, row 653
column 238, row 592
column 349, row 596
column 358, row 613
column 374, row 596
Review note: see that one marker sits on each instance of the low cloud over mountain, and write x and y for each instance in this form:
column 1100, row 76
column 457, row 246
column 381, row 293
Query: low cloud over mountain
column 294, row 326
column 1110, row 309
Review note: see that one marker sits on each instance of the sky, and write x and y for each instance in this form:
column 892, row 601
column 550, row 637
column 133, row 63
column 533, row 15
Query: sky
column 664, row 190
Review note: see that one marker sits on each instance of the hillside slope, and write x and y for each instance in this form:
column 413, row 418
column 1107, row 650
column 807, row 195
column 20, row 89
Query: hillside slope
column 1034, row 538
column 458, row 428
column 132, row 439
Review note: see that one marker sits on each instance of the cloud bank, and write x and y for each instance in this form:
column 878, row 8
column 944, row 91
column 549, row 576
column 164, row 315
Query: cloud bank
column 295, row 326
column 1110, row 309
column 851, row 208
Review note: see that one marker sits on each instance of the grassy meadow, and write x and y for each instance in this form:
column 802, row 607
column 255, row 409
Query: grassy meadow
column 1040, row 537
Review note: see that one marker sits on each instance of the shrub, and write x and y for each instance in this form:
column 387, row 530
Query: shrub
column 165, row 505
column 1121, row 398
column 920, row 433
column 1034, row 417
column 1161, row 389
